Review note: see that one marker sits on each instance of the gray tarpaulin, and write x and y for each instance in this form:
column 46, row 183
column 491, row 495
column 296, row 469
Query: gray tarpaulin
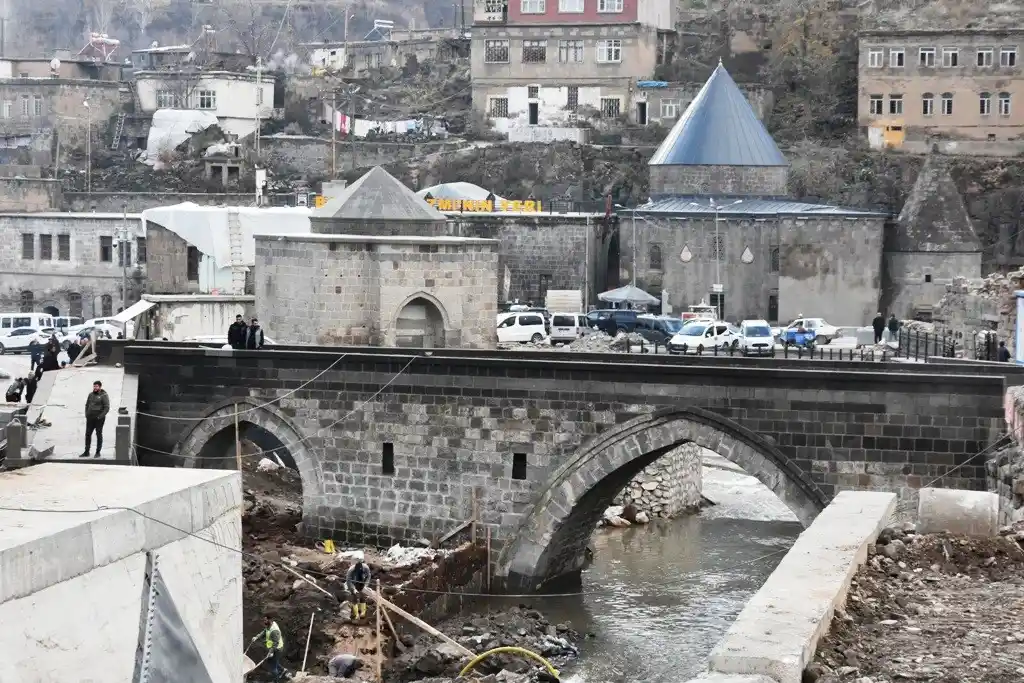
column 166, row 652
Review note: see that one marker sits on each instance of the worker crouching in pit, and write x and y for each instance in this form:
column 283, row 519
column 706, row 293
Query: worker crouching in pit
column 356, row 580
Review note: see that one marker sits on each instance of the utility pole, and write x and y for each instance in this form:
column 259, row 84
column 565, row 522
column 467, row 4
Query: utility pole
column 259, row 102
column 88, row 150
column 124, row 248
column 334, row 135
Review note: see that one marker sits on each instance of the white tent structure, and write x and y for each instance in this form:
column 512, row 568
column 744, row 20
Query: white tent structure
column 630, row 294
column 458, row 190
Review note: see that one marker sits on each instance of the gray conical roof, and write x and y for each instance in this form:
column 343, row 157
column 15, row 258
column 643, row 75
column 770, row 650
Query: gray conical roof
column 719, row 128
column 378, row 196
column 934, row 217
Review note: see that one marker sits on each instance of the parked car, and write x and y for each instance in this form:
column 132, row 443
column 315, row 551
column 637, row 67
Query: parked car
column 756, row 338
column 611, row 321
column 18, row 339
column 522, row 327
column 823, row 332
column 567, row 327
column 701, row 337
column 658, row 329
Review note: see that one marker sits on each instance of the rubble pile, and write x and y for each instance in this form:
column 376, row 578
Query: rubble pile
column 596, row 342
column 930, row 608
column 971, row 306
column 668, row 487
column 519, row 627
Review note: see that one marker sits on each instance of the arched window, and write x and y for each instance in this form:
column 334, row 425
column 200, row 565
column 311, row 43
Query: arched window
column 928, row 104
column 1004, row 104
column 773, row 265
column 106, row 305
column 947, row 104
column 985, row 103
column 654, row 257
column 75, row 304
column 27, row 301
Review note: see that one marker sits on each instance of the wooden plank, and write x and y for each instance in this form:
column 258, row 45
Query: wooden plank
column 451, row 534
column 398, row 639
column 417, row 622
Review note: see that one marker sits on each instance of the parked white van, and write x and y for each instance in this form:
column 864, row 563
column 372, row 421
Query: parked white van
column 10, row 321
column 521, row 327
column 567, row 327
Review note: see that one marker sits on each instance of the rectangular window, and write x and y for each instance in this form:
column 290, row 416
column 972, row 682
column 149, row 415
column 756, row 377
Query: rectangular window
column 877, row 105
column 985, row 104
column 124, row 254
column 610, row 107
column 140, row 249
column 896, row 57
column 947, row 104
column 37, row 105
column 570, row 51
column 8, row 110
column 387, row 459
column 535, row 51
column 532, row 6
column 46, row 247
column 64, row 247
column 207, row 99
column 106, row 249
column 895, row 104
column 499, row 107
column 24, row 106
column 1008, row 56
column 875, row 57
column 572, row 100
column 609, row 51
column 192, row 264
column 928, row 105
column 985, row 57
column 166, row 99
column 950, row 57
column 670, row 109
column 28, row 246
column 570, row 6
column 496, row 51
column 376, row 64
column 368, row 61
column 519, row 466
column 1004, row 104
column 532, row 92
column 609, row 5
column 926, row 56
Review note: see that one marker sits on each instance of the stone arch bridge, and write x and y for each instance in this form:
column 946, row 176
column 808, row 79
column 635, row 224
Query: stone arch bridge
column 395, row 444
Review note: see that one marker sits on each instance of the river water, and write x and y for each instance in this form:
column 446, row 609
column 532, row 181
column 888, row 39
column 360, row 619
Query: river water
column 659, row 597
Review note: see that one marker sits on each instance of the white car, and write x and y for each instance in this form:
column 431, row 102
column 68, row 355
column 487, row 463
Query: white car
column 823, row 332
column 756, row 338
column 704, row 337
column 522, row 327
column 18, row 339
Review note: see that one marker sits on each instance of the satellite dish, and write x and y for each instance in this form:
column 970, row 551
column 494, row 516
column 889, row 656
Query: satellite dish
column 54, row 64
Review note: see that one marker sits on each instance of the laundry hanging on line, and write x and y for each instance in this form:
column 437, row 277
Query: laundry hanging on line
column 360, row 128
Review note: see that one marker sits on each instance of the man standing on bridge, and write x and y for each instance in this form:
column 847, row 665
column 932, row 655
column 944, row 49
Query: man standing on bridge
column 97, row 405
column 878, row 325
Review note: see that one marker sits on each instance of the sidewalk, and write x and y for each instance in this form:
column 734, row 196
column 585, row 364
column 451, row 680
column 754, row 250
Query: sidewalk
column 63, row 406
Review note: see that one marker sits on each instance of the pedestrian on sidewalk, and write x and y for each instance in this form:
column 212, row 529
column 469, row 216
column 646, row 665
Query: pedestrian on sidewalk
column 878, row 325
column 894, row 327
column 344, row 666
column 237, row 332
column 50, row 355
column 254, row 335
column 35, row 352
column 13, row 394
column 97, row 405
column 1004, row 353
column 31, row 383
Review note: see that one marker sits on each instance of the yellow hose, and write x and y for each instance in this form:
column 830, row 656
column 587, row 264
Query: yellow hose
column 516, row 650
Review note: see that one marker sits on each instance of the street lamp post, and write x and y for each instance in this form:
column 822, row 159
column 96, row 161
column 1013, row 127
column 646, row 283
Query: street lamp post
column 88, row 149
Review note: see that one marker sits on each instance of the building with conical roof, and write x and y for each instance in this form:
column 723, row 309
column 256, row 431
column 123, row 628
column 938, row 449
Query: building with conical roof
column 377, row 268
column 720, row 228
column 932, row 242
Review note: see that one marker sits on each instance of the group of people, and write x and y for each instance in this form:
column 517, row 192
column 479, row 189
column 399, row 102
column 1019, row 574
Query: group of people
column 42, row 358
column 242, row 336
column 879, row 325
column 339, row 665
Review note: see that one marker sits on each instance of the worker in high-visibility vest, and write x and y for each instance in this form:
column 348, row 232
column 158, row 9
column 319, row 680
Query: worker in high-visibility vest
column 272, row 638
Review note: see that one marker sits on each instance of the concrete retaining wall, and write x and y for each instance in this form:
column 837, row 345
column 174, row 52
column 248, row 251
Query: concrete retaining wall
column 90, row 567
column 776, row 634
column 668, row 487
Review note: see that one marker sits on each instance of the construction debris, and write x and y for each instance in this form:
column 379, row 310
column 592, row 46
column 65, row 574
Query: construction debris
column 973, row 306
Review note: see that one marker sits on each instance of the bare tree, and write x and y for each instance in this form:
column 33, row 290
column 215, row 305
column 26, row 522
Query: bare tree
column 247, row 25
column 101, row 14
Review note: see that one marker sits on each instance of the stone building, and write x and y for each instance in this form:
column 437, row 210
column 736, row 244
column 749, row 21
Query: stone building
column 718, row 226
column 932, row 243
column 378, row 268
column 70, row 263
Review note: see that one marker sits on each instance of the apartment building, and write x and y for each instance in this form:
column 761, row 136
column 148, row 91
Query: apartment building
column 962, row 89
column 541, row 62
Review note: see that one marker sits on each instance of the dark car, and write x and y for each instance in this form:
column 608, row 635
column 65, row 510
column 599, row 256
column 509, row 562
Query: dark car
column 611, row 321
column 657, row 328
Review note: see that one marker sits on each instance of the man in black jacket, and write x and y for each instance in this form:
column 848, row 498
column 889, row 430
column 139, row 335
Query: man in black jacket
column 254, row 335
column 237, row 332
column 878, row 324
column 97, row 405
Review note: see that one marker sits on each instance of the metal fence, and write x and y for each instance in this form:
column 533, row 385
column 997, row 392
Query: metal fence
column 819, row 352
column 922, row 345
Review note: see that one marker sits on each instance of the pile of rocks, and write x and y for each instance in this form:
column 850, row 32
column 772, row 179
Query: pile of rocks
column 596, row 342
column 668, row 487
column 970, row 306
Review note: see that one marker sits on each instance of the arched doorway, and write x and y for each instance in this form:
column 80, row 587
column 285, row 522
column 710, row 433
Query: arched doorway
column 552, row 537
column 51, row 310
column 420, row 324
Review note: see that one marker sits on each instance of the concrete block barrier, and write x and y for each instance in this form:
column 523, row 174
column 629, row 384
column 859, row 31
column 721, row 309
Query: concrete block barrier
column 712, row 677
column 969, row 513
column 778, row 631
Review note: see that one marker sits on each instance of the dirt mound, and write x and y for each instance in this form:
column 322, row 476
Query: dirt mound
column 933, row 608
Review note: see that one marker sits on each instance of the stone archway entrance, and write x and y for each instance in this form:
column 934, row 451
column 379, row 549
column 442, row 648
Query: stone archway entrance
column 51, row 310
column 553, row 535
column 212, row 440
column 420, row 324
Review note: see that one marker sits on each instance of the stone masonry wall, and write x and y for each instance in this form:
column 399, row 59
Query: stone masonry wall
column 459, row 425
column 311, row 156
column 29, row 194
column 737, row 181
column 668, row 487
column 135, row 202
column 1006, row 467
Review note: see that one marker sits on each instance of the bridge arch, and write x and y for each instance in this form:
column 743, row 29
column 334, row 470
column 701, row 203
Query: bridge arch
column 273, row 429
column 551, row 539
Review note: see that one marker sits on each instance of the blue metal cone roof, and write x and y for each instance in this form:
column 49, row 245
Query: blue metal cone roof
column 719, row 128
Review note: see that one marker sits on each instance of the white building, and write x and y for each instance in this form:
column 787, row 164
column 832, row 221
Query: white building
column 236, row 98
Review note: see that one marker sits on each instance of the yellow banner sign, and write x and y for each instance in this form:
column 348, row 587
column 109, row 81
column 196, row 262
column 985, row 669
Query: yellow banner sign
column 486, row 206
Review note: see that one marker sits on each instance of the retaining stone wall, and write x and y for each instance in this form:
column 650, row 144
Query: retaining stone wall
column 1006, row 468
column 669, row 487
